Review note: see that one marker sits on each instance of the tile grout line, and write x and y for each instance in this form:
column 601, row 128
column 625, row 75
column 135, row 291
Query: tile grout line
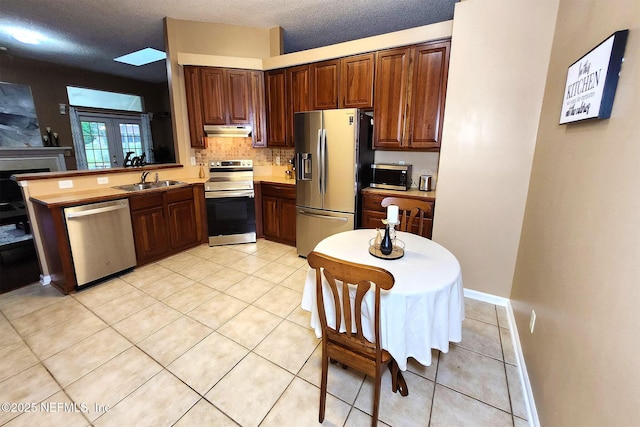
column 352, row 407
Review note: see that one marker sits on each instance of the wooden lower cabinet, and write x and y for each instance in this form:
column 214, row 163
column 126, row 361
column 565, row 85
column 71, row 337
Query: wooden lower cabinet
column 150, row 233
column 163, row 223
column 279, row 212
column 373, row 213
column 288, row 216
column 182, row 220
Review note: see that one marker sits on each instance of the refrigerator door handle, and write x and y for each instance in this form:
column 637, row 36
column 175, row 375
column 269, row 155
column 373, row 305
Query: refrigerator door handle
column 319, row 161
column 324, row 161
column 335, row 218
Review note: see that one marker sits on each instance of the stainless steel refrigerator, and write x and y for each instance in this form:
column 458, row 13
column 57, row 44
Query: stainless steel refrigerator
column 333, row 159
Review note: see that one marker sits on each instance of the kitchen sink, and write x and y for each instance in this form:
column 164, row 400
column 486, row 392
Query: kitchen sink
column 149, row 185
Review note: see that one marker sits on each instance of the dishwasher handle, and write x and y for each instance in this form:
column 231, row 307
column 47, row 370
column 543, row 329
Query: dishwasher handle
column 71, row 215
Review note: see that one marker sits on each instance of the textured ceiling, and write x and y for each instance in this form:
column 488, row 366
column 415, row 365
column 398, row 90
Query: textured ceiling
column 90, row 33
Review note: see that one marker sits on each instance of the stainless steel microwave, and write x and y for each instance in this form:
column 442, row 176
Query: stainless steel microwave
column 391, row 176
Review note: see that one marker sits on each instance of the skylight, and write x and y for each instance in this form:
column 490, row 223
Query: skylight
column 142, row 57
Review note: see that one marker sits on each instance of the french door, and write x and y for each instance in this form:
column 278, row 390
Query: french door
column 108, row 138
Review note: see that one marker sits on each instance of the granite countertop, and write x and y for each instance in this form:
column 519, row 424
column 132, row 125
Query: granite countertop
column 276, row 179
column 101, row 194
column 109, row 192
column 412, row 192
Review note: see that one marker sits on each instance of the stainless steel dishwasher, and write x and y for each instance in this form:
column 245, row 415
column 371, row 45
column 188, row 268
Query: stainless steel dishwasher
column 101, row 239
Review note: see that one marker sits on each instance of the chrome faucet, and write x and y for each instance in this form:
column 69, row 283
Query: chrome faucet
column 143, row 178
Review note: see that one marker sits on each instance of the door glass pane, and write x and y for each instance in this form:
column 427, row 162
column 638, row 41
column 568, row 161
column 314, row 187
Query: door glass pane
column 131, row 141
column 96, row 145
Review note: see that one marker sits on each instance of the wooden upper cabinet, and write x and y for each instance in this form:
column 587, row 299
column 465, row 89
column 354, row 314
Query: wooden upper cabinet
column 213, row 96
column 356, row 81
column 428, row 90
column 342, row 83
column 237, row 96
column 194, row 106
column 297, row 96
column 258, row 133
column 410, row 89
column 276, row 106
column 216, row 96
column 390, row 97
column 225, row 96
column 324, row 84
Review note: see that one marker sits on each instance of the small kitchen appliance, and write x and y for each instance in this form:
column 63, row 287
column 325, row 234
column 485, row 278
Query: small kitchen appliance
column 391, row 176
column 425, row 183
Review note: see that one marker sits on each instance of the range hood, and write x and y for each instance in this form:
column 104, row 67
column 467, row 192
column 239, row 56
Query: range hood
column 237, row 131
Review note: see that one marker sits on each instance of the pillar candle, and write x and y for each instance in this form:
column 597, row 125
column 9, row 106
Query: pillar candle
column 392, row 214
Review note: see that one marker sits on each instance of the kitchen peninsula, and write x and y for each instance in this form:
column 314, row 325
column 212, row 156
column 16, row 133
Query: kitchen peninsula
column 48, row 194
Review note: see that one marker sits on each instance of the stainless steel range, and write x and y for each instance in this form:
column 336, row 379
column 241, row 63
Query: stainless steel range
column 231, row 213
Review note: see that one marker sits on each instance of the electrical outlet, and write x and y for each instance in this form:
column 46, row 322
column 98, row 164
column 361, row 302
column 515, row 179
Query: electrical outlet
column 193, row 161
column 103, row 180
column 532, row 321
column 67, row 183
column 278, row 160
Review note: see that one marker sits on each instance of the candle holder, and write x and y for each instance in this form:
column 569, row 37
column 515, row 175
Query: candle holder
column 51, row 139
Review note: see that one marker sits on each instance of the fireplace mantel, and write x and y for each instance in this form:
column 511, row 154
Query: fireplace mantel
column 17, row 158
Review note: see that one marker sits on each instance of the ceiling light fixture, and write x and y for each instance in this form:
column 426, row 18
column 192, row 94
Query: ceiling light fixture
column 142, row 57
column 26, row 36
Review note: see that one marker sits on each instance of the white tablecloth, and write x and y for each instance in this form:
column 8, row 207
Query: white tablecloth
column 423, row 310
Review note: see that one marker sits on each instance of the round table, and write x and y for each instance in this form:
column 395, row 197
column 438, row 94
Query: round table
column 423, row 310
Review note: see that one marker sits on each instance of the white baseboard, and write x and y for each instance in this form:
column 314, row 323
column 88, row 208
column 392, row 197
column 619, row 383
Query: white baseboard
column 532, row 413
column 484, row 297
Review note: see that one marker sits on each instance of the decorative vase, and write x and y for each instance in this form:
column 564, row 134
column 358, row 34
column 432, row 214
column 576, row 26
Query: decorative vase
column 386, row 246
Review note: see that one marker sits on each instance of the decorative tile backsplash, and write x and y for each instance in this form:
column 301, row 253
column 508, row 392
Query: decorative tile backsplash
column 224, row 148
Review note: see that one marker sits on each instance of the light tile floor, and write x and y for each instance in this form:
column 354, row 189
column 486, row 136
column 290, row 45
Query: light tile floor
column 215, row 336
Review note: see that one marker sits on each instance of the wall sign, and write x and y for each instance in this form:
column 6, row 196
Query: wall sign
column 592, row 81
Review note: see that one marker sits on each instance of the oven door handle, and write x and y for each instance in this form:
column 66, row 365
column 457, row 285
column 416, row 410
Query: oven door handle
column 227, row 194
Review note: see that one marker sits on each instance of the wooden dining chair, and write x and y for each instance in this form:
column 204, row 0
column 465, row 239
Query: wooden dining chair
column 351, row 348
column 408, row 211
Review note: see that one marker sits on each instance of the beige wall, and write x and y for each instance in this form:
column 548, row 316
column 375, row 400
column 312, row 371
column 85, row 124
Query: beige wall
column 579, row 260
column 499, row 58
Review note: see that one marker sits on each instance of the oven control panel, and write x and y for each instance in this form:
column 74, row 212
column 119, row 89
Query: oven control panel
column 224, row 164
